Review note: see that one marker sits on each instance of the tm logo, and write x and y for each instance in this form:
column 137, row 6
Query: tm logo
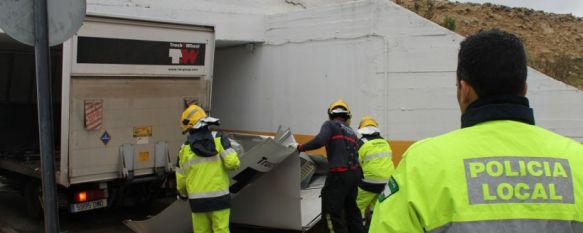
column 183, row 53
column 183, row 56
column 265, row 163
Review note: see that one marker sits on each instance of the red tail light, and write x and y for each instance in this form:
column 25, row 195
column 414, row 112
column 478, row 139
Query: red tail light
column 89, row 195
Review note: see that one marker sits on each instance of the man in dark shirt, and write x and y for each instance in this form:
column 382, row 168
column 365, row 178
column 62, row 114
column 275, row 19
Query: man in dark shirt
column 339, row 193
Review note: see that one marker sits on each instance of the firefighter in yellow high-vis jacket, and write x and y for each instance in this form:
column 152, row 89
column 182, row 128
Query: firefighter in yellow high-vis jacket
column 375, row 156
column 499, row 172
column 201, row 174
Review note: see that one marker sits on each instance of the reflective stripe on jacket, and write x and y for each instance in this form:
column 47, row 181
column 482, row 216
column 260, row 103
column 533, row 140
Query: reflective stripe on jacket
column 377, row 164
column 495, row 176
column 205, row 179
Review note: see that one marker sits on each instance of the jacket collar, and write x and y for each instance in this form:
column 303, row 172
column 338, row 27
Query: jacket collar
column 201, row 142
column 372, row 136
column 514, row 108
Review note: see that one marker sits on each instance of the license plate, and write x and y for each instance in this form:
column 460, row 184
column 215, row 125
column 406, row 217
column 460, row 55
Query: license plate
column 79, row 207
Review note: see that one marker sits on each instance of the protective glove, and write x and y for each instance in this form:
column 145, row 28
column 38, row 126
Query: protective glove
column 300, row 148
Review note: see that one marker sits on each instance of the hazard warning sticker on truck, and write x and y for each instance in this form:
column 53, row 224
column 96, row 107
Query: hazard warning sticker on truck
column 144, row 156
column 93, row 114
column 142, row 134
column 105, row 138
column 143, row 131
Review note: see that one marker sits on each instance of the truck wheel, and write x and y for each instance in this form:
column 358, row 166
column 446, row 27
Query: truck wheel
column 32, row 198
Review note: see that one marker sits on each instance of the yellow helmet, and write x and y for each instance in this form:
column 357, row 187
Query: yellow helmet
column 339, row 107
column 367, row 121
column 195, row 117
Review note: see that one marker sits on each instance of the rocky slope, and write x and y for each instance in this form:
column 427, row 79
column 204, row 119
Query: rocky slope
column 554, row 42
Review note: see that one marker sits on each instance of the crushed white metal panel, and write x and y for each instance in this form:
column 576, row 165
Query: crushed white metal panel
column 381, row 58
column 175, row 218
column 311, row 203
column 274, row 197
column 273, row 200
column 268, row 194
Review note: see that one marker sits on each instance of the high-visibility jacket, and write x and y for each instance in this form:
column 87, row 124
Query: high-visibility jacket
column 205, row 179
column 375, row 156
column 496, row 176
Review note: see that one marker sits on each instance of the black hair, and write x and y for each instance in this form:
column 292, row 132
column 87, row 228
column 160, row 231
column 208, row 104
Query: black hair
column 493, row 62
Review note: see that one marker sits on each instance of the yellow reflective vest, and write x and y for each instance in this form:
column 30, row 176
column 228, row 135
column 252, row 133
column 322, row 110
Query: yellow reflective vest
column 496, row 176
column 375, row 156
column 205, row 179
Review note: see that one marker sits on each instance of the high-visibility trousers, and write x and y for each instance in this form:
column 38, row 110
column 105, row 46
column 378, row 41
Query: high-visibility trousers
column 365, row 200
column 211, row 222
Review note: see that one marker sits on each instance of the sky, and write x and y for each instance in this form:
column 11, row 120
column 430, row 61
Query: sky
column 574, row 7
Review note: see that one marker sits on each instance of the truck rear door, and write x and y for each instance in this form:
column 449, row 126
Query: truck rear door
column 125, row 84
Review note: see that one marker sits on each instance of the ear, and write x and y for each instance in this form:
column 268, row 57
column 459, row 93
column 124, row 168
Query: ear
column 466, row 95
column 464, row 92
column 523, row 93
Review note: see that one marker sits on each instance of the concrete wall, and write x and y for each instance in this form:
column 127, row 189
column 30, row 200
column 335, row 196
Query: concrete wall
column 232, row 26
column 235, row 21
column 382, row 59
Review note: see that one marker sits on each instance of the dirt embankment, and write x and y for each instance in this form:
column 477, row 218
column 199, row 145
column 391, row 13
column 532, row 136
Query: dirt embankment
column 554, row 42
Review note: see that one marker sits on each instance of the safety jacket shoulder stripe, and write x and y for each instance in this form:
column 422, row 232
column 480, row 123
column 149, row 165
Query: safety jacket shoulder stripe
column 208, row 194
column 210, row 204
column 377, row 155
column 227, row 152
column 179, row 170
column 375, row 181
column 197, row 160
column 517, row 225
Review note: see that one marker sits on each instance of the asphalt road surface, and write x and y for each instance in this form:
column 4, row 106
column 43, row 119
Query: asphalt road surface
column 13, row 218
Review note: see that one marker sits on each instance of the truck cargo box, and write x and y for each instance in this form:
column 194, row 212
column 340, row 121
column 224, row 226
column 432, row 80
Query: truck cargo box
column 118, row 88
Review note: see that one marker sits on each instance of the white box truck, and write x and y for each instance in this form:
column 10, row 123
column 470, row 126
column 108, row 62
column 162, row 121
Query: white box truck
column 118, row 88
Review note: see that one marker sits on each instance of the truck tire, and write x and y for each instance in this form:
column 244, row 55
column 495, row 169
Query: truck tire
column 32, row 198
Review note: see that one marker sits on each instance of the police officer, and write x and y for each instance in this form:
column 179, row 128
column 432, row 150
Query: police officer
column 339, row 192
column 201, row 175
column 499, row 172
column 375, row 157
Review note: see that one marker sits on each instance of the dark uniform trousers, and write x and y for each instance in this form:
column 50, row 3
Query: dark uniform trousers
column 339, row 202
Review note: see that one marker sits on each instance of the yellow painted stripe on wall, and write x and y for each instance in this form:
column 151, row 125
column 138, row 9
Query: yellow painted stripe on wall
column 398, row 146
